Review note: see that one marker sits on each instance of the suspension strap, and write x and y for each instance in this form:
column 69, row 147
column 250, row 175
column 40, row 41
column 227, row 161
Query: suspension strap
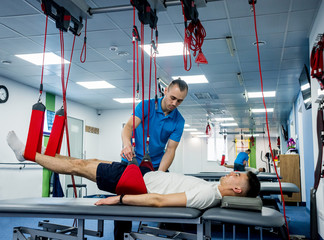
column 35, row 132
column 320, row 141
column 316, row 62
column 55, row 139
column 64, row 88
column 267, row 124
column 84, row 47
column 142, row 74
column 155, row 69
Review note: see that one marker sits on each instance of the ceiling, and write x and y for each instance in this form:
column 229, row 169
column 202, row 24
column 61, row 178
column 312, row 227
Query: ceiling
column 283, row 25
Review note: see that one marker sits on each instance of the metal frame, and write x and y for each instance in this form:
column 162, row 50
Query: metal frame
column 57, row 231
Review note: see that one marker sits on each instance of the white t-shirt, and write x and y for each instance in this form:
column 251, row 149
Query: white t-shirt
column 200, row 193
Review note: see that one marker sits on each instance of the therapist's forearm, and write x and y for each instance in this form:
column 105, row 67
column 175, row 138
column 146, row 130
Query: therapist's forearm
column 167, row 160
column 127, row 135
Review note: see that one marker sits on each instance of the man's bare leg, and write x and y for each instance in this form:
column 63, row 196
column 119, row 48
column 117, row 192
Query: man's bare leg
column 77, row 167
column 59, row 163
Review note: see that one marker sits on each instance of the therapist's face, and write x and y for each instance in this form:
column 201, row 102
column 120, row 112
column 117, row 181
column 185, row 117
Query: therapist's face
column 173, row 97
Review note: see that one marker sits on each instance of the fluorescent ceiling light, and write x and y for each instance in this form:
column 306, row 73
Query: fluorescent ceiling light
column 223, row 119
column 190, row 129
column 192, row 79
column 95, row 84
column 126, row 100
column 261, row 110
column 228, row 124
column 37, row 58
column 166, row 49
column 186, row 125
column 196, row 133
column 230, row 45
column 259, row 94
column 305, row 86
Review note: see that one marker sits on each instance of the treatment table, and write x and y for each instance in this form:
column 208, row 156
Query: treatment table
column 84, row 208
column 215, row 176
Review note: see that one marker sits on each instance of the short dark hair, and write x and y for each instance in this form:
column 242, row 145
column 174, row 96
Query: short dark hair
column 182, row 84
column 254, row 185
column 248, row 150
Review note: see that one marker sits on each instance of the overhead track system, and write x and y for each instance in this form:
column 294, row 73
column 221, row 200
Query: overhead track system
column 68, row 15
column 159, row 5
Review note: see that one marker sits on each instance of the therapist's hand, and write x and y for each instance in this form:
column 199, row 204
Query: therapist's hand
column 127, row 153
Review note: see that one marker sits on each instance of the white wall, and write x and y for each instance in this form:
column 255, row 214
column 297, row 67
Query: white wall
column 15, row 115
column 318, row 27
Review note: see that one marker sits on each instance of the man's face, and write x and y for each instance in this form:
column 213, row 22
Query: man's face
column 235, row 179
column 173, row 97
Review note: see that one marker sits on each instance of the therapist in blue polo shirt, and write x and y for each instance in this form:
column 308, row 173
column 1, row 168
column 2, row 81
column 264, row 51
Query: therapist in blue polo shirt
column 166, row 127
column 241, row 160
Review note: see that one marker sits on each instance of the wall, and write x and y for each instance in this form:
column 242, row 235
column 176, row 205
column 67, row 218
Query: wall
column 15, row 115
column 304, row 143
column 318, row 27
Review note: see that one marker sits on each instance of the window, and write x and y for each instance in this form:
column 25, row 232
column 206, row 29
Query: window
column 216, row 146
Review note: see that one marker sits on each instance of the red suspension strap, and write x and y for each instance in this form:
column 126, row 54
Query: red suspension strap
column 149, row 96
column 155, row 70
column 316, row 62
column 35, row 132
column 194, row 34
column 265, row 107
column 135, row 39
column 142, row 72
column 64, row 87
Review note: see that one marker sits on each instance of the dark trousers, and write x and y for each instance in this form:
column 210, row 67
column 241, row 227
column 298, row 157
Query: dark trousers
column 121, row 227
column 239, row 167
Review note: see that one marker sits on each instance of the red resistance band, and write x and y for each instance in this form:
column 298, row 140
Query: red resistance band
column 35, row 132
column 265, row 107
column 194, row 35
column 316, row 62
column 320, row 141
column 55, row 140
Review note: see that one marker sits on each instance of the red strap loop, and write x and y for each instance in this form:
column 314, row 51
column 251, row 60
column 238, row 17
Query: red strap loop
column 35, row 132
column 55, row 139
column 131, row 181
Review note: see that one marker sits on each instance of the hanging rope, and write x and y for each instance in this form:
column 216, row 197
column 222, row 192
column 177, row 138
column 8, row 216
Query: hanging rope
column 64, row 87
column 194, row 34
column 266, row 112
column 43, row 62
column 154, row 57
column 84, row 47
column 135, row 38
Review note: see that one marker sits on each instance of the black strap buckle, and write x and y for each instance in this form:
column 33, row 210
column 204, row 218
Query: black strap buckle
column 136, row 33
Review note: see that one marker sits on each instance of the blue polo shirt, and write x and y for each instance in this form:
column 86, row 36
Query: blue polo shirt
column 241, row 157
column 162, row 128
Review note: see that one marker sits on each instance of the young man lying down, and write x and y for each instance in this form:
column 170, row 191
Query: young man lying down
column 165, row 189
